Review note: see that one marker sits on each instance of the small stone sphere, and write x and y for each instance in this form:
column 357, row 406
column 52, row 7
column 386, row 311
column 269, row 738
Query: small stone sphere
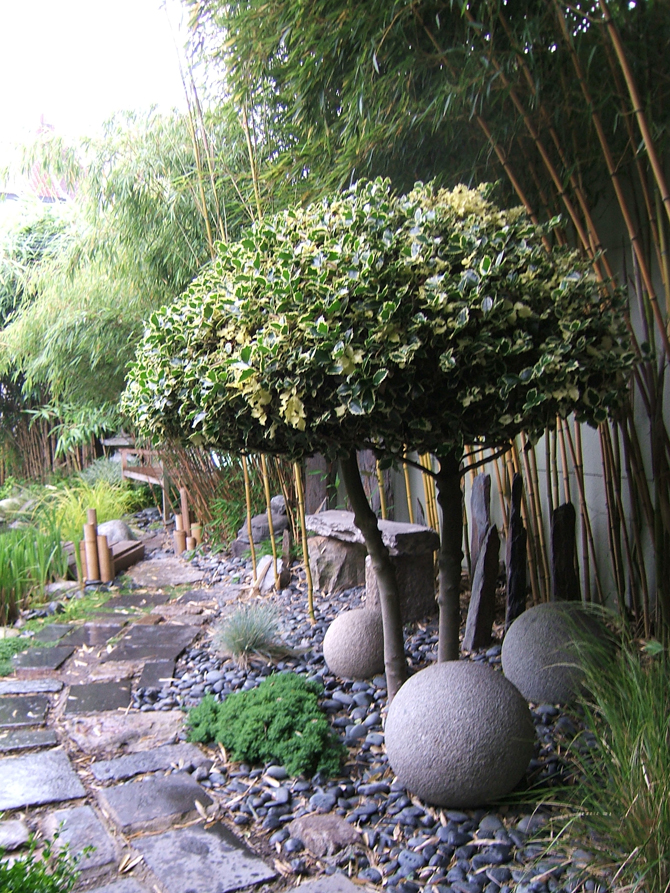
column 540, row 652
column 458, row 734
column 353, row 646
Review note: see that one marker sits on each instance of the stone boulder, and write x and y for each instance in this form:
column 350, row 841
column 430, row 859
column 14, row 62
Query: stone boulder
column 540, row 652
column 116, row 532
column 324, row 835
column 260, row 529
column 458, row 734
column 353, row 646
column 335, row 564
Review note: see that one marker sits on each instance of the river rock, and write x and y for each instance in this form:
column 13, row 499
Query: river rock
column 116, row 532
column 353, row 646
column 458, row 734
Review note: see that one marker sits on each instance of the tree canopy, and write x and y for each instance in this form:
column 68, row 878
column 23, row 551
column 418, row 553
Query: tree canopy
column 429, row 320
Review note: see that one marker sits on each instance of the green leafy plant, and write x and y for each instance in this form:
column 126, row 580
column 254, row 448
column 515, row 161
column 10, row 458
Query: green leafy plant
column 251, row 629
column 280, row 720
column 52, row 871
column 622, row 797
column 29, row 559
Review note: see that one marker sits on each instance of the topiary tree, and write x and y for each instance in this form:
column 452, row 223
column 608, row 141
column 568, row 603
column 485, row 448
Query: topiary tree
column 426, row 321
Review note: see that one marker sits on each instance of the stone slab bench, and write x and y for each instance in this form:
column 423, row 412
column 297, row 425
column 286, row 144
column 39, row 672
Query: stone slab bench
column 338, row 560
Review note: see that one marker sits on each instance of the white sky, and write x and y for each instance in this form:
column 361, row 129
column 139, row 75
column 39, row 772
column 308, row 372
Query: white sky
column 78, row 61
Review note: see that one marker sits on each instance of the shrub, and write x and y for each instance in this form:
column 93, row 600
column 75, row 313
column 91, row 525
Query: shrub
column 55, row 871
column 623, row 764
column 250, row 629
column 280, row 720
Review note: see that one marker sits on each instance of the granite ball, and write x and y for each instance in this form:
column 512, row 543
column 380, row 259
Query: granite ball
column 353, row 646
column 540, row 652
column 458, row 734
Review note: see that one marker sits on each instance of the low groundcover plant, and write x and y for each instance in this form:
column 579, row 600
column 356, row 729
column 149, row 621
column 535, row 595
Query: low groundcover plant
column 279, row 721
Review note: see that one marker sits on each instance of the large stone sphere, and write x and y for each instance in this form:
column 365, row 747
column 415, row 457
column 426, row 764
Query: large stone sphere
column 353, row 646
column 540, row 652
column 458, row 734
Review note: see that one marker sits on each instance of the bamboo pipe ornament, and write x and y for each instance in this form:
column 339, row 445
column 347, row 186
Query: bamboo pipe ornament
column 196, row 533
column 191, row 544
column 185, row 520
column 179, row 541
column 105, row 560
column 178, row 522
column 91, row 547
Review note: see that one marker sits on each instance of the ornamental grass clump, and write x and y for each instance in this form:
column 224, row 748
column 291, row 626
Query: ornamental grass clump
column 251, row 630
column 622, row 796
column 279, row 721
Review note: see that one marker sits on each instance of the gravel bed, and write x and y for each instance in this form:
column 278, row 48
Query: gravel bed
column 409, row 846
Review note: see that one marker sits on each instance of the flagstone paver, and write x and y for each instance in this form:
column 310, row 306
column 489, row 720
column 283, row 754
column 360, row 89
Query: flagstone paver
column 166, row 571
column 127, row 885
column 29, row 686
column 162, row 757
column 93, row 633
column 97, row 697
column 22, row 710
column 107, row 734
column 79, row 827
column 156, row 673
column 13, row 834
column 43, row 658
column 53, row 632
column 153, row 803
column 334, row 883
column 202, row 861
column 137, row 600
column 30, row 780
column 26, row 739
column 152, row 643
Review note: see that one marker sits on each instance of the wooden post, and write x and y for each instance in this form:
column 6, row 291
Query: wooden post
column 82, row 561
column 105, row 560
column 177, row 522
column 196, row 533
column 191, row 544
column 91, row 546
column 92, row 517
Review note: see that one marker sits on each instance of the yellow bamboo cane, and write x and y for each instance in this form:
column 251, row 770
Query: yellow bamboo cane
column 247, row 496
column 266, row 486
column 303, row 536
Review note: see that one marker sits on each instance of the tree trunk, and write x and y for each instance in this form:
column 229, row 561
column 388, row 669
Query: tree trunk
column 448, row 482
column 366, row 521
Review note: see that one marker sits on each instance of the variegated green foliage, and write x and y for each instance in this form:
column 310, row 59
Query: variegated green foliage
column 433, row 319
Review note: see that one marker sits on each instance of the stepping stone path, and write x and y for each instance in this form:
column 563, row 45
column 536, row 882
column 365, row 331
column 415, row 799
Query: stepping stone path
column 142, row 805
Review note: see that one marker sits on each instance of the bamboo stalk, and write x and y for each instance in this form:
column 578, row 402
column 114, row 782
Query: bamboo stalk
column 635, row 504
column 382, row 492
column 247, row 496
column 303, row 532
column 564, row 458
column 408, row 491
column 268, row 504
column 578, row 465
column 532, row 475
column 530, row 539
column 612, row 518
column 501, row 495
column 547, row 472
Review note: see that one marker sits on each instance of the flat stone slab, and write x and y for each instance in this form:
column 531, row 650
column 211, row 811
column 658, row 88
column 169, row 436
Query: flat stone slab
column 26, row 739
column 43, row 658
column 23, row 710
column 153, row 804
column 38, row 778
column 152, row 642
column 53, row 632
column 96, row 697
column 127, row 885
column 202, row 861
column 29, row 686
column 156, row 673
column 162, row 757
column 400, row 538
column 164, row 572
column 78, row 828
column 105, row 734
column 97, row 633
column 334, row 883
column 13, row 834
column 137, row 600
column 196, row 596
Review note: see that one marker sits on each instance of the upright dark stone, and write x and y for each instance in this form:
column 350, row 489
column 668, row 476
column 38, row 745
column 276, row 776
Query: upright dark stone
column 515, row 558
column 480, row 515
column 317, row 474
column 564, row 554
column 481, row 612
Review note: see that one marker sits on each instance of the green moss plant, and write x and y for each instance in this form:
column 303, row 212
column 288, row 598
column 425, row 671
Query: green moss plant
column 280, row 720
